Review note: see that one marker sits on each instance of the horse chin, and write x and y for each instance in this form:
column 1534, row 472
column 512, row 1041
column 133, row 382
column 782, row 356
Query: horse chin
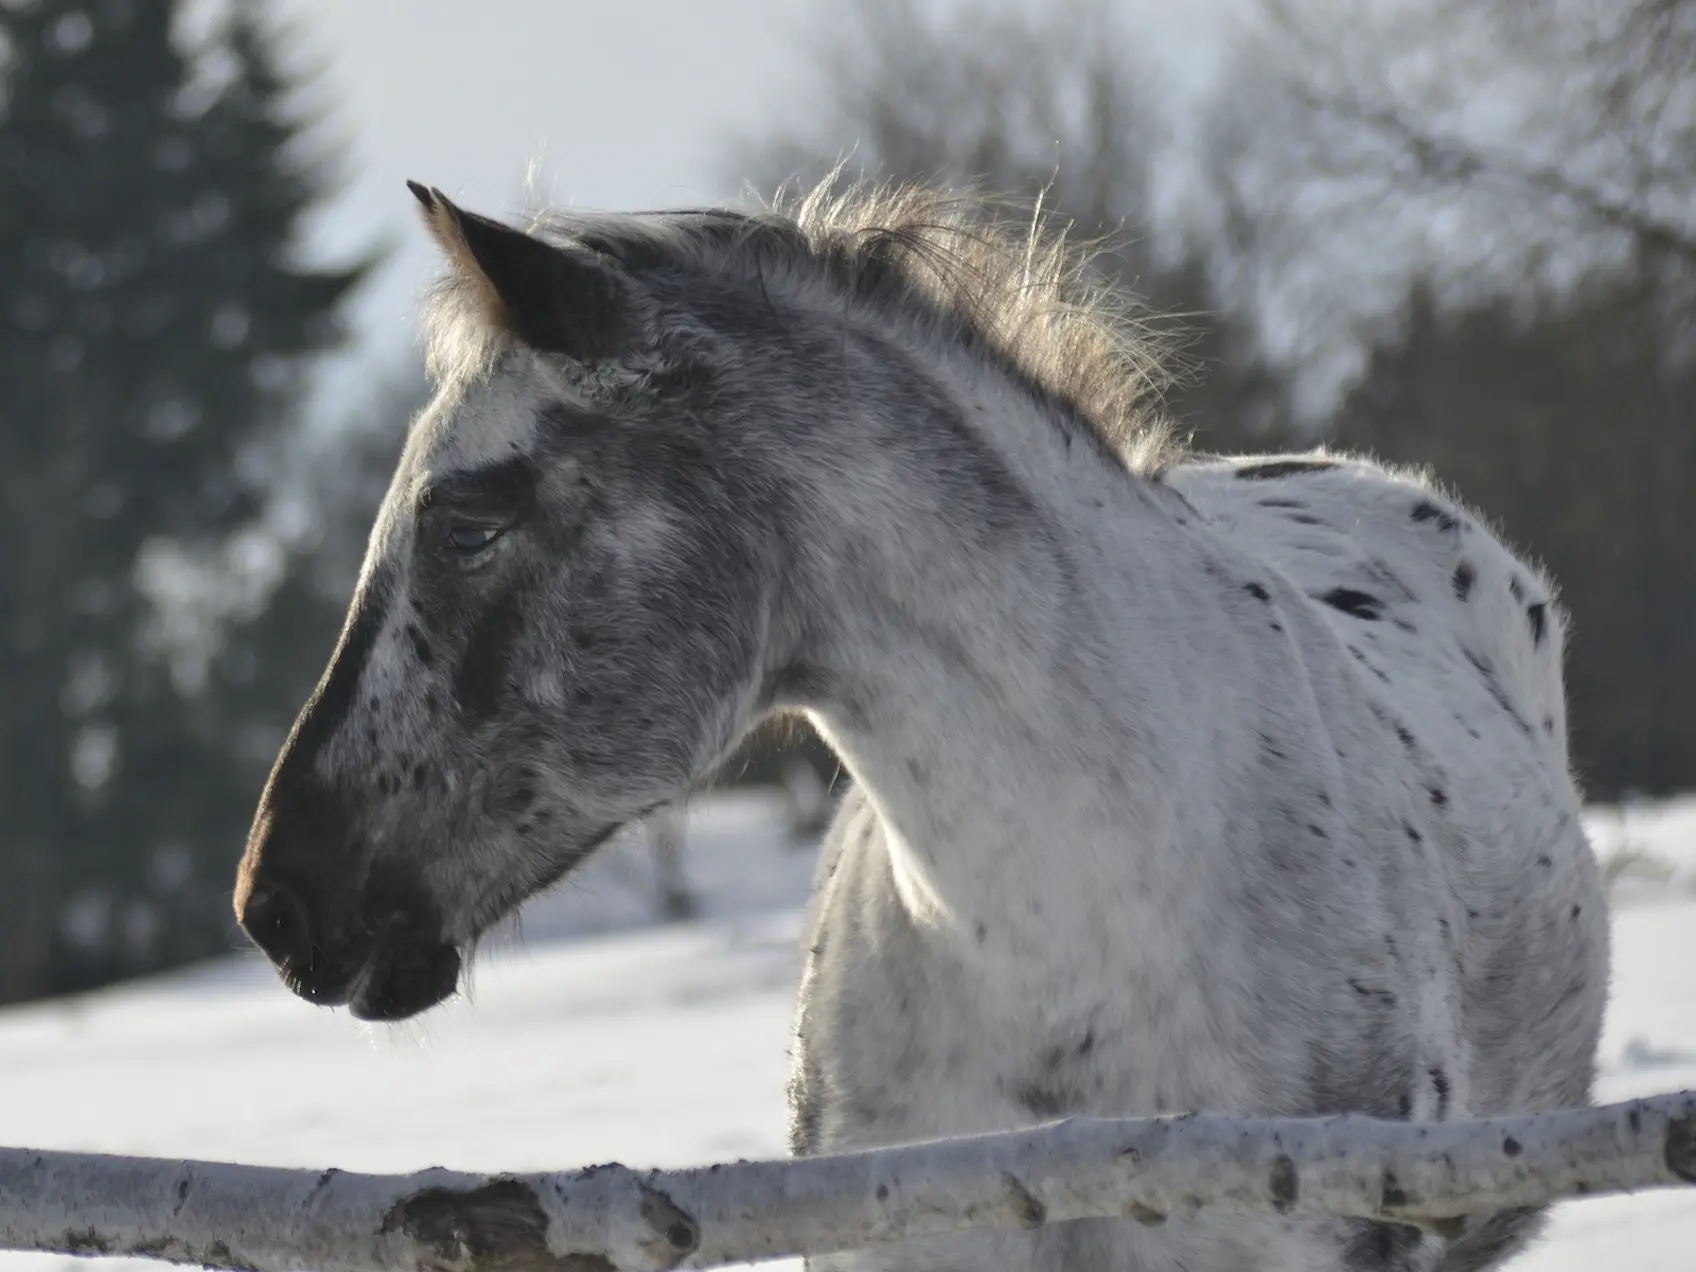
column 402, row 980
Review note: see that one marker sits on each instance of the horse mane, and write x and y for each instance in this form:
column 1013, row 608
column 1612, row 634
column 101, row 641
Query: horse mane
column 996, row 276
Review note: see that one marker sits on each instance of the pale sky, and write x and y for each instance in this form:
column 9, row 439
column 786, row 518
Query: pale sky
column 620, row 103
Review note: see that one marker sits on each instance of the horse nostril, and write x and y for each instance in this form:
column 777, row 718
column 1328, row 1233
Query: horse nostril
column 276, row 920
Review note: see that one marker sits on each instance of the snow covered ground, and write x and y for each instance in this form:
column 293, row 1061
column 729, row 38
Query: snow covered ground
column 606, row 1036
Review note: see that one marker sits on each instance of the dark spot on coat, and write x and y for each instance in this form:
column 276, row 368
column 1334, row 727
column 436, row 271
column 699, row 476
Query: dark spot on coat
column 1412, row 833
column 420, row 645
column 1281, row 503
column 1465, row 575
column 1355, row 604
column 1282, row 468
column 1405, row 736
column 1425, row 510
column 1384, row 996
column 1360, row 657
column 1306, row 519
column 883, row 1192
column 1440, row 1080
column 1488, row 673
column 1511, row 1147
column 1439, row 797
column 1537, row 616
column 1577, row 910
column 981, row 931
column 1257, row 591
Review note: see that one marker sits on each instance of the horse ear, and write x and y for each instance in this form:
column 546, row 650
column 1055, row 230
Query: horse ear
column 553, row 300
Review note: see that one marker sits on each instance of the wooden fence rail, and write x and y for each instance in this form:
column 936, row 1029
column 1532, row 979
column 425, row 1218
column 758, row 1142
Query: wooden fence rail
column 613, row 1219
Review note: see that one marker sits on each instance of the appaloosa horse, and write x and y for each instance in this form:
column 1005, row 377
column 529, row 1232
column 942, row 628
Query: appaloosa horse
column 1179, row 783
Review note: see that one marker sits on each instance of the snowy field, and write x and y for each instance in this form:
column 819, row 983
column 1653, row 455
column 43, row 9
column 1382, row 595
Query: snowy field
column 605, row 1036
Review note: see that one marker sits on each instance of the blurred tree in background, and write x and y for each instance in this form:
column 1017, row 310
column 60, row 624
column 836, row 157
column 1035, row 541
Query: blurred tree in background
column 1457, row 233
column 155, row 326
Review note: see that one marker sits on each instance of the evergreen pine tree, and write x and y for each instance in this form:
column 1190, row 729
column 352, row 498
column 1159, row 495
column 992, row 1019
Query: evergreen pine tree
column 155, row 327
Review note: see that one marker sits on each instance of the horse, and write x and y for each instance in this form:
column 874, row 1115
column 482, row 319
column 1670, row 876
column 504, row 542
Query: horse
column 1177, row 781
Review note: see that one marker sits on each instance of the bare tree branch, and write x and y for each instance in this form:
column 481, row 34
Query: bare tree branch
column 1327, row 80
column 611, row 1219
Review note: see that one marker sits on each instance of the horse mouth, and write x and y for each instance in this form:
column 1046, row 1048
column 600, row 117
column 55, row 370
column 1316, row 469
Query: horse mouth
column 401, row 980
column 400, row 977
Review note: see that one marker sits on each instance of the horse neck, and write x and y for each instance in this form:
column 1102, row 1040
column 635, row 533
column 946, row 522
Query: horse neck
column 970, row 568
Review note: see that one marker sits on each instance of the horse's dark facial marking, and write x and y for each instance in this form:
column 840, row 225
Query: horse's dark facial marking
column 500, row 492
column 485, row 664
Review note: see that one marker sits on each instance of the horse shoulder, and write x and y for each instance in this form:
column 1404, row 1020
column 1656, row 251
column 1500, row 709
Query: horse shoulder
column 1407, row 576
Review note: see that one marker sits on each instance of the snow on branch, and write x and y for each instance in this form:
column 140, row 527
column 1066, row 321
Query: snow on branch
column 612, row 1219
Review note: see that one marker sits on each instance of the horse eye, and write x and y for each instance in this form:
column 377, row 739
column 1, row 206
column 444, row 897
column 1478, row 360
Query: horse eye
column 469, row 537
